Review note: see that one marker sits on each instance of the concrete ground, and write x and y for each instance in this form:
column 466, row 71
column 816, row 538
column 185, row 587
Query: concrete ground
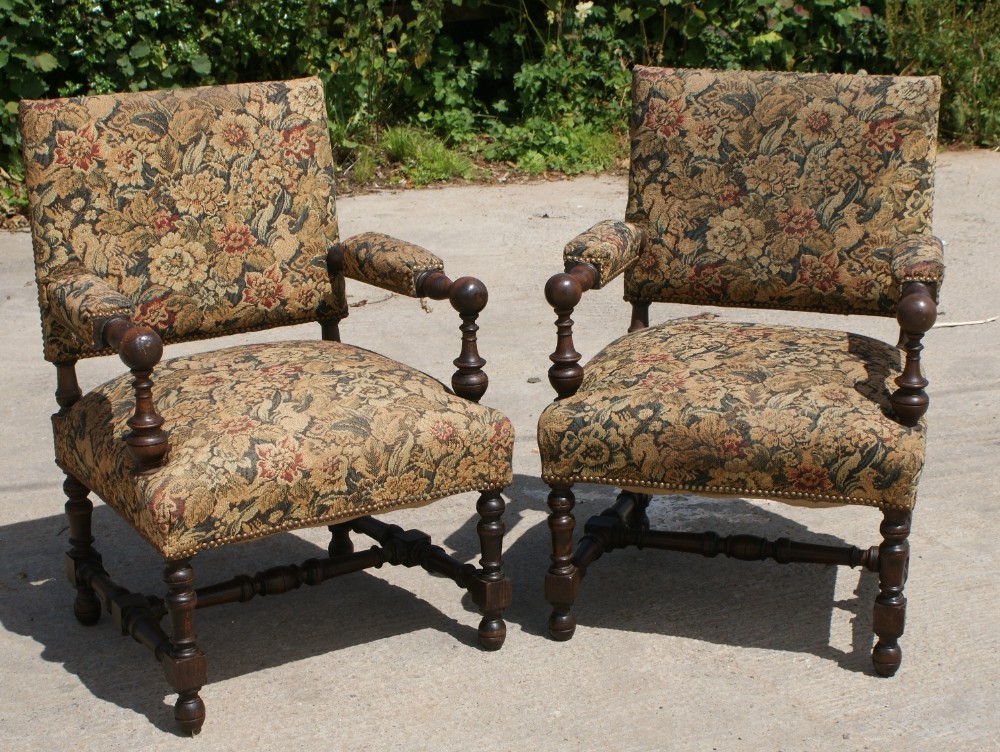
column 672, row 652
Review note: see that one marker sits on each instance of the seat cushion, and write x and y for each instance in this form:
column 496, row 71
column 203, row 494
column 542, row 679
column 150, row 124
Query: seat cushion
column 738, row 410
column 279, row 436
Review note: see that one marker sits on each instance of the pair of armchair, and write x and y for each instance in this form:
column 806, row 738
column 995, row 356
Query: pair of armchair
column 160, row 217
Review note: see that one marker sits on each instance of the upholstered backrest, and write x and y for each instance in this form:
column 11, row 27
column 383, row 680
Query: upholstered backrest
column 781, row 190
column 211, row 209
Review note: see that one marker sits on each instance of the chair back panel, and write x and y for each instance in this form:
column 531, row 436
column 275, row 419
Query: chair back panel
column 212, row 208
column 778, row 190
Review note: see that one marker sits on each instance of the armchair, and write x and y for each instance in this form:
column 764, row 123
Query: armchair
column 160, row 217
column 790, row 191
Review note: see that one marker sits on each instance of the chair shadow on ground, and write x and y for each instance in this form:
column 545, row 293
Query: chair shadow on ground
column 756, row 604
column 36, row 602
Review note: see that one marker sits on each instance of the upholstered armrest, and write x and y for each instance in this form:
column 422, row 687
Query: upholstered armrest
column 387, row 262
column 610, row 247
column 918, row 258
column 82, row 302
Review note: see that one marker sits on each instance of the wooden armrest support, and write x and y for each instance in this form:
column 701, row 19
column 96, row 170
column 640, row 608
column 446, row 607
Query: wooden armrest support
column 916, row 314
column 563, row 291
column 140, row 348
column 468, row 296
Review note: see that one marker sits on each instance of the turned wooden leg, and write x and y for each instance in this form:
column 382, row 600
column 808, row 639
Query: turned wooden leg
column 340, row 540
column 563, row 578
column 497, row 590
column 184, row 664
column 81, row 556
column 890, row 604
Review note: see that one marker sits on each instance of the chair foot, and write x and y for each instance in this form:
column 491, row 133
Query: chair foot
column 189, row 712
column 86, row 607
column 889, row 616
column 492, row 632
column 562, row 626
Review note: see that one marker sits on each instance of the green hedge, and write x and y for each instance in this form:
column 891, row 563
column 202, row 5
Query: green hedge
column 528, row 80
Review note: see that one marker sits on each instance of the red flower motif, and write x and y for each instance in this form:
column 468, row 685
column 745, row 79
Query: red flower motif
column 282, row 460
column 819, row 273
column 78, row 148
column 443, row 431
column 235, row 425
column 798, row 220
column 234, row 238
column 296, row 143
column 164, row 222
column 155, row 314
column 729, row 195
column 264, row 288
column 235, row 134
column 667, row 118
column 647, row 261
column 809, row 479
column 732, row 445
column 882, row 135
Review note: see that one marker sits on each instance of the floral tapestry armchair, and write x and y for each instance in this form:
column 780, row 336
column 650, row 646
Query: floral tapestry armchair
column 160, row 217
column 807, row 192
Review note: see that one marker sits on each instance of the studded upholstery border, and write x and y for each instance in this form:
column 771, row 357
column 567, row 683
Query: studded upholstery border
column 918, row 258
column 609, row 246
column 280, row 436
column 738, row 409
column 78, row 298
column 386, row 262
column 211, row 209
column 784, row 190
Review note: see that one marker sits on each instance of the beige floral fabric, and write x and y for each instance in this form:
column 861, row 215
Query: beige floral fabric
column 387, row 262
column 784, row 190
column 609, row 246
column 738, row 409
column 918, row 258
column 279, row 436
column 210, row 209
column 78, row 300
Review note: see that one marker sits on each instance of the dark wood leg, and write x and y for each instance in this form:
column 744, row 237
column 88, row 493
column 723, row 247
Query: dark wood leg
column 492, row 629
column 563, row 578
column 184, row 664
column 340, row 541
column 890, row 604
column 81, row 559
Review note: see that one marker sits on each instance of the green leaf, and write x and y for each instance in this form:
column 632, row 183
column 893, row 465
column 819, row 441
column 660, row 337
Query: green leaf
column 45, row 62
column 139, row 49
column 201, row 65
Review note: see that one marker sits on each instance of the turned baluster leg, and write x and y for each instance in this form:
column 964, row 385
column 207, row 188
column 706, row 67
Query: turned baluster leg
column 340, row 540
column 81, row 555
column 185, row 664
column 563, row 579
column 492, row 629
column 890, row 604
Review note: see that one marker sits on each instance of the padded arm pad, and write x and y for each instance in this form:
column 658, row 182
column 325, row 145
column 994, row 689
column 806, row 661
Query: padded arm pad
column 387, row 263
column 81, row 301
column 610, row 246
column 918, row 258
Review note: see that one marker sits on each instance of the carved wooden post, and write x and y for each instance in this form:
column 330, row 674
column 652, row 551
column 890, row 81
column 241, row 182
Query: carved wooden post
column 890, row 604
column 563, row 579
column 184, row 665
column 81, row 555
column 492, row 629
column 340, row 540
column 640, row 316
column 468, row 296
column 916, row 314
column 563, row 292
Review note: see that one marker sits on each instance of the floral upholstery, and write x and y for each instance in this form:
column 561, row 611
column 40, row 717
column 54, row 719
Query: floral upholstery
column 783, row 190
column 741, row 410
column 609, row 246
column 210, row 209
column 280, row 436
column 387, row 262
column 78, row 300
column 918, row 258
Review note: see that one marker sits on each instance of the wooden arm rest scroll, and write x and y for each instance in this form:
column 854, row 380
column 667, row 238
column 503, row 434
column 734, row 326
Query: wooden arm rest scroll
column 468, row 296
column 140, row 348
column 563, row 291
column 916, row 314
